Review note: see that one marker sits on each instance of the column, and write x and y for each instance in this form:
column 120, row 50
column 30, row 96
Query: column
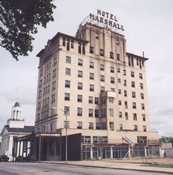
column 111, row 152
column 91, row 153
column 129, row 152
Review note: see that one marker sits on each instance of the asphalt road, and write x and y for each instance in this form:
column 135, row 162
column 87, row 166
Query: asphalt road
column 57, row 169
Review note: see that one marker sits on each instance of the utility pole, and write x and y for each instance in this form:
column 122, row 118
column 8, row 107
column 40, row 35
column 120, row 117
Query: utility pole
column 66, row 139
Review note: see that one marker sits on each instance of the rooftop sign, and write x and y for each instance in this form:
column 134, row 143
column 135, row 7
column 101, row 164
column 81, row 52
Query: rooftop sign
column 106, row 19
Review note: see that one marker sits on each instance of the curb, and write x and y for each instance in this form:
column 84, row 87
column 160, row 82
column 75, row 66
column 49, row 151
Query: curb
column 93, row 166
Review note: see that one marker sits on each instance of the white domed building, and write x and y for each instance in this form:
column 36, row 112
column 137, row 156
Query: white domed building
column 15, row 127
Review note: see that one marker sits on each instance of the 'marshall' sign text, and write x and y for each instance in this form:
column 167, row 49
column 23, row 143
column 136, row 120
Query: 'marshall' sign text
column 107, row 19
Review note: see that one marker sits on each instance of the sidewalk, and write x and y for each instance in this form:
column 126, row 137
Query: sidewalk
column 116, row 164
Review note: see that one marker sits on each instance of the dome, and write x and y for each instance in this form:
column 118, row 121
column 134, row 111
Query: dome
column 17, row 104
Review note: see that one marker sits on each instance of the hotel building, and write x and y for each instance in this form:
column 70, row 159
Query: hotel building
column 90, row 85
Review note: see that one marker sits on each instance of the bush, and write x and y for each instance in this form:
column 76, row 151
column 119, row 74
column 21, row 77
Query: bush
column 4, row 158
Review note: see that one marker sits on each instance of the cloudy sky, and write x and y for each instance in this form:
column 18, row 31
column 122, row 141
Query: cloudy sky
column 149, row 27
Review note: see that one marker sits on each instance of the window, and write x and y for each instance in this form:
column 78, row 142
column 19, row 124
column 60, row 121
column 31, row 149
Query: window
column 67, row 84
column 91, row 76
column 141, row 86
column 79, row 98
column 118, row 70
column 72, row 44
column 68, row 59
column 140, row 76
column 54, row 73
column 67, row 71
column 79, row 111
column 102, row 78
column 142, row 96
column 79, row 125
column 101, row 52
column 133, row 84
column 111, row 125
column 112, row 80
column 90, row 100
column 111, row 55
column 96, row 100
column 111, row 99
column 126, row 104
column 135, row 128
column 53, row 99
column 134, row 116
column 91, row 87
column 66, row 110
column 102, row 88
column 119, row 80
column 111, row 112
column 63, row 41
column 96, row 113
column 119, row 102
column 126, row 116
column 91, row 113
column 91, row 49
column 125, row 83
column 121, row 127
column 118, row 57
column 53, row 85
column 80, row 62
column 142, row 106
column 125, row 93
column 113, row 89
column 67, row 97
column 112, row 70
column 119, row 91
column 143, row 117
column 132, row 74
column 80, row 85
column 133, row 94
column 124, row 72
column 80, row 73
column 120, row 114
column 91, row 125
column 102, row 67
column 144, row 128
column 91, row 64
column 134, row 105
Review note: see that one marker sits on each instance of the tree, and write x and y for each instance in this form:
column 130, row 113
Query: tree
column 19, row 20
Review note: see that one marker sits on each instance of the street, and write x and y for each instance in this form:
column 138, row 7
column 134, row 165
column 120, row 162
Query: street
column 60, row 169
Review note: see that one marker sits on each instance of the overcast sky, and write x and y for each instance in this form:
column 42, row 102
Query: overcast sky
column 149, row 28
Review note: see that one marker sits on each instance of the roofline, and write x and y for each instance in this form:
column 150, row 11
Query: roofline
column 63, row 35
column 142, row 57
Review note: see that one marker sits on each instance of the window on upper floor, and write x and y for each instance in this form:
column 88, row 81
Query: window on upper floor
column 133, row 94
column 80, row 85
column 140, row 76
column 67, row 84
column 133, row 84
column 91, row 112
column 132, row 74
column 67, row 96
column 102, row 78
column 79, row 111
column 80, row 73
column 134, row 116
column 90, row 100
column 91, row 87
column 68, row 59
column 91, row 76
column 67, row 71
column 91, row 125
column 80, row 62
column 79, row 98
column 91, row 64
column 102, row 67
column 79, row 125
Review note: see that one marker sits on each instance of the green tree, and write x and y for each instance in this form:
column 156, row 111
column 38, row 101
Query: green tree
column 19, row 20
